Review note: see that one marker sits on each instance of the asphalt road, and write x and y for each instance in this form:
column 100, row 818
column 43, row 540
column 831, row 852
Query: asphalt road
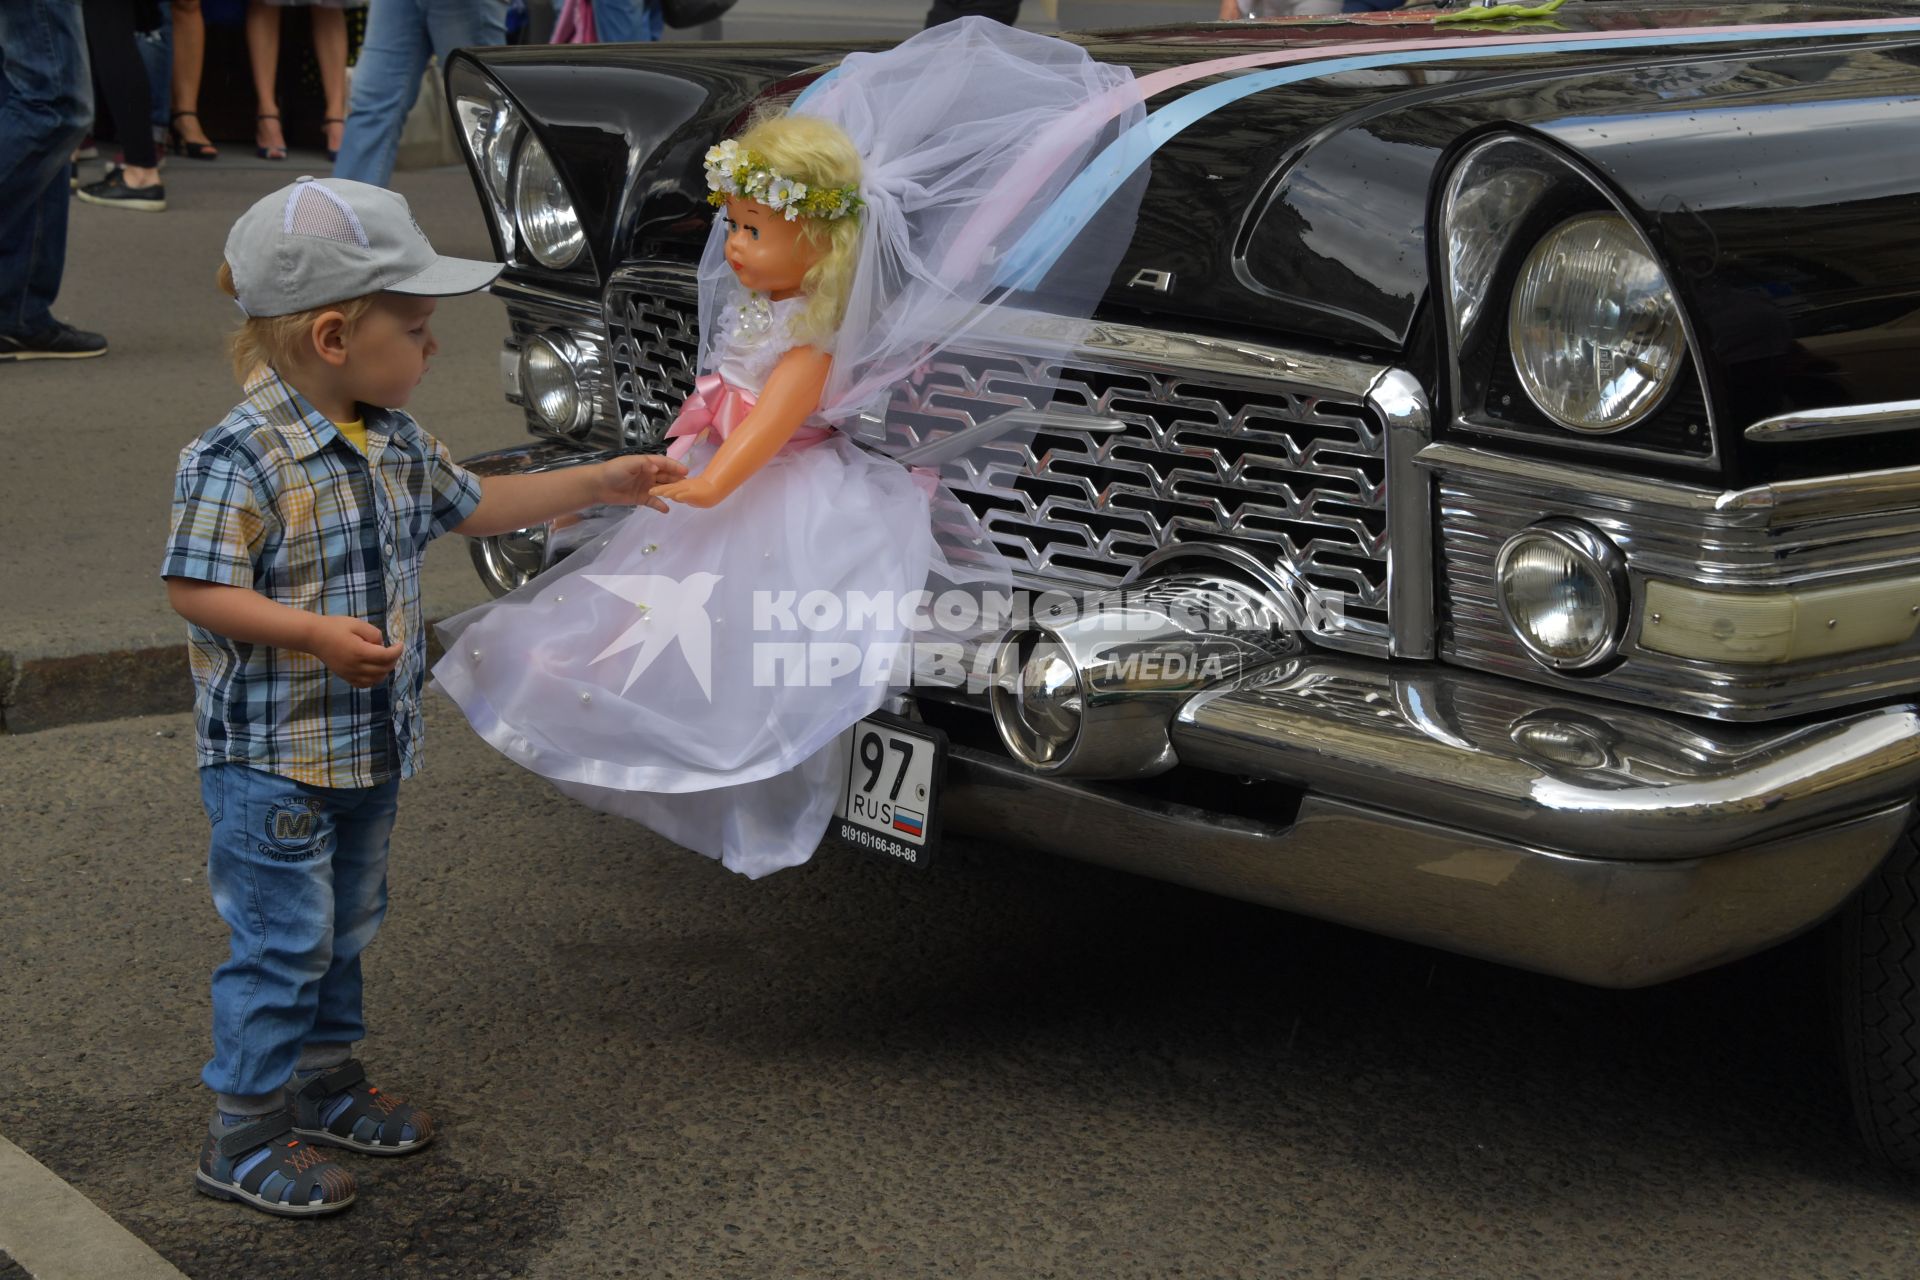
column 1004, row 1066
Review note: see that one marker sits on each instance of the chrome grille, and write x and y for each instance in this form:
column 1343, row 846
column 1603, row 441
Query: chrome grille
column 1136, row 456
column 654, row 335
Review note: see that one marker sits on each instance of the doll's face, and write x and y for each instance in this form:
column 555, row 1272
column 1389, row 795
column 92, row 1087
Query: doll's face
column 767, row 252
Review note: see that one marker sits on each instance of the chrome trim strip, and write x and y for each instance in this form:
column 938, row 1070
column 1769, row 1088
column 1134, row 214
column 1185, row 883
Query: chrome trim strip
column 570, row 308
column 1401, row 403
column 532, row 459
column 1190, row 354
column 1833, row 424
column 1602, row 921
column 1610, row 489
column 1849, row 493
column 1175, row 352
column 1585, row 779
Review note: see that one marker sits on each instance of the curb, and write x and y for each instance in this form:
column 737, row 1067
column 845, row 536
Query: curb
column 42, row 693
column 45, row 692
column 53, row 1232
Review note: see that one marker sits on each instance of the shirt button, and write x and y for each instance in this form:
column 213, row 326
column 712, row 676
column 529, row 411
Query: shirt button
column 389, row 548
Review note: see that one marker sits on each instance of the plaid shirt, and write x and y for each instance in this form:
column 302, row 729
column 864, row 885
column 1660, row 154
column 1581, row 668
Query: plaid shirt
column 276, row 500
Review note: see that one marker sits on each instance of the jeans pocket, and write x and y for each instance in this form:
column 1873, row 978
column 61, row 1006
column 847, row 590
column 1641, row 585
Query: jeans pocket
column 213, row 791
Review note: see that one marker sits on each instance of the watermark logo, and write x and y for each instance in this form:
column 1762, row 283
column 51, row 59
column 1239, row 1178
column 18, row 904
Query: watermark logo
column 665, row 610
column 1152, row 634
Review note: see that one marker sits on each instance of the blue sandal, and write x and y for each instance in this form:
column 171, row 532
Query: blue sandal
column 264, row 1165
column 341, row 1109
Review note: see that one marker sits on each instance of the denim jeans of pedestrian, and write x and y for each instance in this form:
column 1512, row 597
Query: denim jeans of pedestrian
column 627, row 21
column 401, row 35
column 299, row 874
column 46, row 104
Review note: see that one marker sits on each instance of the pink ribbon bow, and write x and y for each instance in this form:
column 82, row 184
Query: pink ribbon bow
column 718, row 406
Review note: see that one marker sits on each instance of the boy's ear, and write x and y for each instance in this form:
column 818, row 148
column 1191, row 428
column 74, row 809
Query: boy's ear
column 328, row 333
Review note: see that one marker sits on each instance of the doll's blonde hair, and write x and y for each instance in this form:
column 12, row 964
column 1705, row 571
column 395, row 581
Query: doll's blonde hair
column 819, row 154
column 278, row 340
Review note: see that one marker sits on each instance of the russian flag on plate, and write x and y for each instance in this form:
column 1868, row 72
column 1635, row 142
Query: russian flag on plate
column 908, row 821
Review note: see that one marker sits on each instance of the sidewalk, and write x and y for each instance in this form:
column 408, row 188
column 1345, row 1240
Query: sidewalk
column 90, row 445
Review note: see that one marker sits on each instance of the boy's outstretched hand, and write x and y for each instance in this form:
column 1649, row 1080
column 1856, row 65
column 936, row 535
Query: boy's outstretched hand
column 352, row 650
column 629, row 480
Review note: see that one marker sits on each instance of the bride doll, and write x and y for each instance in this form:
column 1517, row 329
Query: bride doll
column 689, row 669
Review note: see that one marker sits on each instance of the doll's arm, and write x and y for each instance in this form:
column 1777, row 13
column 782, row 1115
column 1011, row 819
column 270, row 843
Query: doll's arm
column 791, row 396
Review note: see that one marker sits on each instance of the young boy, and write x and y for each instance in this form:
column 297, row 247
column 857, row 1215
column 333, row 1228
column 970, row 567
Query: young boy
column 298, row 527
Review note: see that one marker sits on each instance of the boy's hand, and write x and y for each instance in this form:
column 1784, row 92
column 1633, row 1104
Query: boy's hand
column 629, row 479
column 352, row 650
column 697, row 492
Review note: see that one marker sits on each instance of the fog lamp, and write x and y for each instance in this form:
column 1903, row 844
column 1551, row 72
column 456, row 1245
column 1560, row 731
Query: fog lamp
column 1562, row 588
column 550, row 382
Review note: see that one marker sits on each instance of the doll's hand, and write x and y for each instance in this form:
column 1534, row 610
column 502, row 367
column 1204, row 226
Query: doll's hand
column 697, row 492
column 352, row 650
column 629, row 480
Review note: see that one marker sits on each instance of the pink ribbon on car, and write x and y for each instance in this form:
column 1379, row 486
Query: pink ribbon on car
column 718, row 407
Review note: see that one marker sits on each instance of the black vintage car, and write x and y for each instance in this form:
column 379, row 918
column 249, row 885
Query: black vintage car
column 1570, row 358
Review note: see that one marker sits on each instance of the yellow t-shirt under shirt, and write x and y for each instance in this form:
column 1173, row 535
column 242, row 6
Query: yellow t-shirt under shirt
column 355, row 432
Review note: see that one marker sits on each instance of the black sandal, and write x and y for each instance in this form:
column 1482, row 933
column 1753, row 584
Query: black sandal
column 340, row 1108
column 280, row 1173
column 333, row 153
column 267, row 153
column 183, row 147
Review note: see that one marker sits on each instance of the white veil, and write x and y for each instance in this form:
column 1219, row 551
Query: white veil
column 967, row 133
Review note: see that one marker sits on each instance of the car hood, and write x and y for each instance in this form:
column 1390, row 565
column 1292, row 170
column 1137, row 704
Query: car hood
column 1301, row 210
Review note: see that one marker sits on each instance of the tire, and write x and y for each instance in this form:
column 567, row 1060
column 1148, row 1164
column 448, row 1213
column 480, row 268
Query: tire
column 1877, row 937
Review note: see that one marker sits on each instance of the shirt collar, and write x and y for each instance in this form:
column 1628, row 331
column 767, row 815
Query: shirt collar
column 306, row 430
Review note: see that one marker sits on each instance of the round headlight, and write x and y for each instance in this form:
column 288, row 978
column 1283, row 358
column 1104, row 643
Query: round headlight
column 496, row 153
column 1562, row 590
column 550, row 384
column 1595, row 329
column 1036, row 698
column 542, row 208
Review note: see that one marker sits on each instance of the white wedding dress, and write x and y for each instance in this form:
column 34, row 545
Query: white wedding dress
column 637, row 677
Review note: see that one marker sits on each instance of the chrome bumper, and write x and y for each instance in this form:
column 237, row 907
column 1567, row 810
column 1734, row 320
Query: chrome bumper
column 1609, row 922
column 1612, row 846
column 1573, row 836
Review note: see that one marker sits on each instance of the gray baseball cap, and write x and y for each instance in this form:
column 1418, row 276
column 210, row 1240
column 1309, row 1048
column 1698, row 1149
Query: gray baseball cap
column 323, row 240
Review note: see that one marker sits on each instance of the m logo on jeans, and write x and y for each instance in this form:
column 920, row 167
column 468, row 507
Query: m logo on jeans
column 294, row 833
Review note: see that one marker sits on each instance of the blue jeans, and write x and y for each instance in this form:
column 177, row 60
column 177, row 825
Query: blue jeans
column 46, row 104
column 386, row 80
column 299, row 873
column 627, row 21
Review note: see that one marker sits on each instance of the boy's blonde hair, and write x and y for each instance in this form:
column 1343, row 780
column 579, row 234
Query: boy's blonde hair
column 819, row 154
column 275, row 340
